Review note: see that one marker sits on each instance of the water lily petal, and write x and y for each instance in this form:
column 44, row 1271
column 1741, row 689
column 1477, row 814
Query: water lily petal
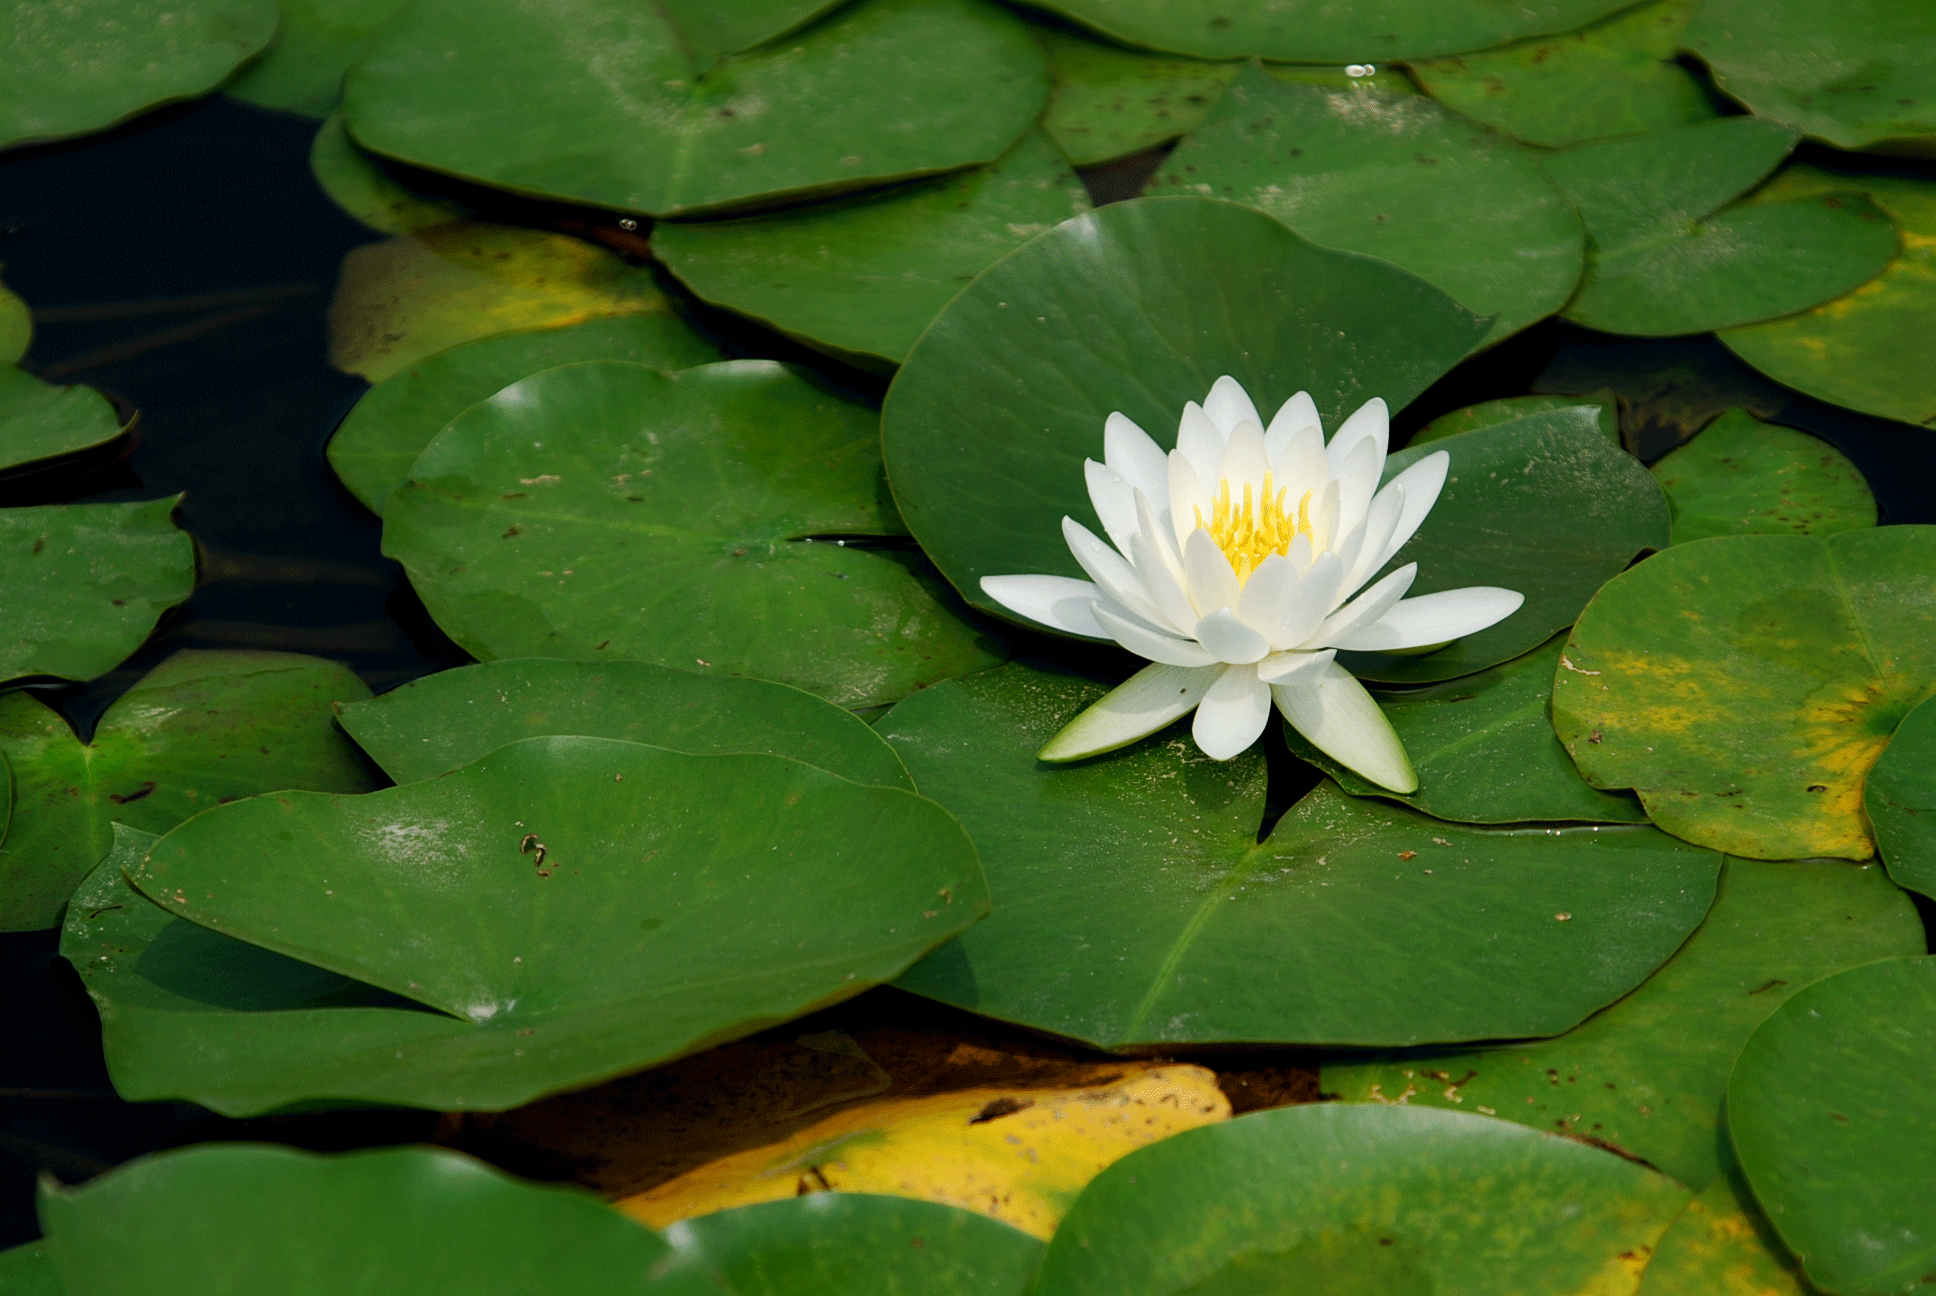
column 1244, row 462
column 1434, row 619
column 1343, row 721
column 1199, row 441
column 1357, row 478
column 1164, row 583
column 1365, row 609
column 1370, row 422
column 1301, row 552
column 1140, row 705
column 1114, row 501
column 1381, row 519
column 1147, row 643
column 1228, row 404
column 1316, row 595
column 1268, row 594
column 1292, row 418
column 1188, row 499
column 1233, row 713
column 1225, row 635
column 1111, row 572
column 1294, row 667
column 1154, row 522
column 1324, row 516
column 1059, row 602
column 1133, row 455
column 1208, row 577
column 1298, row 461
column 1421, row 483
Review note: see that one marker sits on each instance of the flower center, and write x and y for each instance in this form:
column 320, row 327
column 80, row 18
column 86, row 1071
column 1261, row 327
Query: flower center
column 1248, row 535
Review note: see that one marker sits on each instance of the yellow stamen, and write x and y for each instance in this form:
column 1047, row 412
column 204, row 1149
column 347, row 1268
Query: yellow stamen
column 1249, row 535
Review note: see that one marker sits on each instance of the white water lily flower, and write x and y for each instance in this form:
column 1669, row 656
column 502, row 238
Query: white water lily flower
column 1234, row 564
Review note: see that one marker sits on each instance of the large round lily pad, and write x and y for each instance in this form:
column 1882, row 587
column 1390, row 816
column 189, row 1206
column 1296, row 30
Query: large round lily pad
column 197, row 730
column 1849, row 351
column 83, row 65
column 1391, row 175
column 1669, row 257
column 571, row 907
column 1741, row 476
column 1860, row 75
column 606, row 510
column 1835, row 1126
column 1542, row 503
column 1614, row 77
column 874, row 92
column 1647, row 1076
column 237, row 1219
column 1485, row 750
column 1899, row 798
column 382, row 436
column 409, row 297
column 42, row 421
column 86, row 583
column 1339, row 1197
column 844, row 1244
column 302, row 69
column 1317, row 31
column 1744, row 685
column 1136, row 307
column 435, row 724
column 1140, row 908
column 862, row 277
column 1109, row 102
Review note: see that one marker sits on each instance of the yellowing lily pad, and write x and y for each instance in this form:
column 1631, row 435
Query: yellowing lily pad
column 199, row 729
column 872, row 92
column 1614, row 77
column 1140, row 908
column 1344, row 1197
column 302, row 69
column 1835, row 1126
column 1851, row 351
column 1396, row 176
column 86, row 583
column 83, row 65
column 700, row 520
column 1722, row 1245
column 1900, row 800
column 862, row 277
column 1741, row 476
column 1669, row 257
column 1110, row 102
column 1016, row 1155
column 389, row 427
column 1744, row 685
column 409, row 297
column 1647, row 1076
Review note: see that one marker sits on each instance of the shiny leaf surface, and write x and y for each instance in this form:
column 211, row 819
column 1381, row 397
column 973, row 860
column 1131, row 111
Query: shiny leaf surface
column 1509, row 409
column 1110, row 102
column 1741, row 476
column 42, row 421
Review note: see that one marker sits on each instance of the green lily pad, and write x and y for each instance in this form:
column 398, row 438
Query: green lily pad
column 1614, row 77
column 606, row 510
column 1835, row 1126
column 435, row 724
column 197, row 730
column 1314, row 31
column 1139, row 307
column 1396, row 176
column 41, row 421
column 1485, row 750
column 843, row 1244
column 382, row 436
column 1339, row 1197
column 1108, row 102
column 875, row 92
column 1646, row 1077
column 234, row 1219
column 84, row 65
column 1722, row 1245
column 1543, row 504
column 1744, row 685
column 27, row 1270
column 754, row 889
column 1849, row 351
column 1860, row 75
column 1670, row 257
column 862, row 277
column 16, row 328
column 1509, row 409
column 1899, row 798
column 712, row 29
column 355, row 182
column 302, row 69
column 87, row 582
column 1139, row 907
column 410, row 297
column 1741, row 476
